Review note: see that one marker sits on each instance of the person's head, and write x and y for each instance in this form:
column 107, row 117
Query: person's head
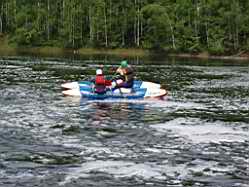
column 124, row 64
column 99, row 72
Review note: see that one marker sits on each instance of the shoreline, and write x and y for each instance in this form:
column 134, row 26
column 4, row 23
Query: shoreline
column 208, row 56
column 6, row 50
column 56, row 51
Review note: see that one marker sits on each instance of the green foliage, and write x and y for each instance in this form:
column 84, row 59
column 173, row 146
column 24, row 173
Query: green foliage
column 154, row 16
column 185, row 26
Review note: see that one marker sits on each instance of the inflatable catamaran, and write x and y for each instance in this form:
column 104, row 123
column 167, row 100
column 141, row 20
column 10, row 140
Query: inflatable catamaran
column 140, row 90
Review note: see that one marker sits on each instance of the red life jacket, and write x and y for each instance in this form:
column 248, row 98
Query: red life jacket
column 100, row 84
column 100, row 80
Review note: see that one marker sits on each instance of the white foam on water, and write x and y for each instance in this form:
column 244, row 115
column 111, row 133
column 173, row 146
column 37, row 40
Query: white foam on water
column 177, row 105
column 121, row 169
column 20, row 175
column 198, row 131
column 89, row 150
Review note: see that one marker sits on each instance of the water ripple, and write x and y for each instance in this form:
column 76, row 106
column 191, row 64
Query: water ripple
column 197, row 136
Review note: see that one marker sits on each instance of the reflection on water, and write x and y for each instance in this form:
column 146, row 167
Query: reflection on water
column 197, row 136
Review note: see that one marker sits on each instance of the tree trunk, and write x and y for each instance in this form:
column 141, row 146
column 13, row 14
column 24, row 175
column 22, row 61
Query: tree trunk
column 172, row 32
column 73, row 26
column 236, row 37
column 63, row 10
column 135, row 24
column 106, row 34
column 207, row 15
column 7, row 15
column 123, row 26
column 48, row 24
column 110, row 15
column 141, row 29
column 138, row 25
column 15, row 13
column 207, row 35
column 173, row 37
column 196, row 21
column 38, row 16
column 1, row 24
column 81, row 27
column 1, row 19
column 90, row 25
column 82, row 33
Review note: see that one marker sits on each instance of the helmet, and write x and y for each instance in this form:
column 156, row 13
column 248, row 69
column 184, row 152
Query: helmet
column 99, row 72
column 124, row 64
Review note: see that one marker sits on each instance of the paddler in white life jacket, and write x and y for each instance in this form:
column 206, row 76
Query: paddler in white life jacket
column 126, row 74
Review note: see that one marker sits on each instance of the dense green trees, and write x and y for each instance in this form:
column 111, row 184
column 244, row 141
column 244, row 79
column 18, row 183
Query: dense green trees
column 177, row 25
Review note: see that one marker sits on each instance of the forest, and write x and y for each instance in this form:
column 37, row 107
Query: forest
column 215, row 26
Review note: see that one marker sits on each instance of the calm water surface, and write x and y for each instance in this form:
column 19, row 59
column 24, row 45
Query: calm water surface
column 197, row 136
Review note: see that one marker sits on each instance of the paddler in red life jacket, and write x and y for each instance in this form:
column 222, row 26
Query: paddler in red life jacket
column 127, row 75
column 101, row 82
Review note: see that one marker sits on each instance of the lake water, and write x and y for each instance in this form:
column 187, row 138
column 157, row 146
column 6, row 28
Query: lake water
column 197, row 136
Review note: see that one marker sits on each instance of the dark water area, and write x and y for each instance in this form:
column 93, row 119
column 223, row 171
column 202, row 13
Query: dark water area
column 197, row 136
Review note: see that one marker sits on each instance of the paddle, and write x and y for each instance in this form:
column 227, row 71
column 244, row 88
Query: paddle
column 115, row 80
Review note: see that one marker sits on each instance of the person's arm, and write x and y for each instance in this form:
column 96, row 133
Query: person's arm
column 108, row 82
column 120, row 71
column 129, row 70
